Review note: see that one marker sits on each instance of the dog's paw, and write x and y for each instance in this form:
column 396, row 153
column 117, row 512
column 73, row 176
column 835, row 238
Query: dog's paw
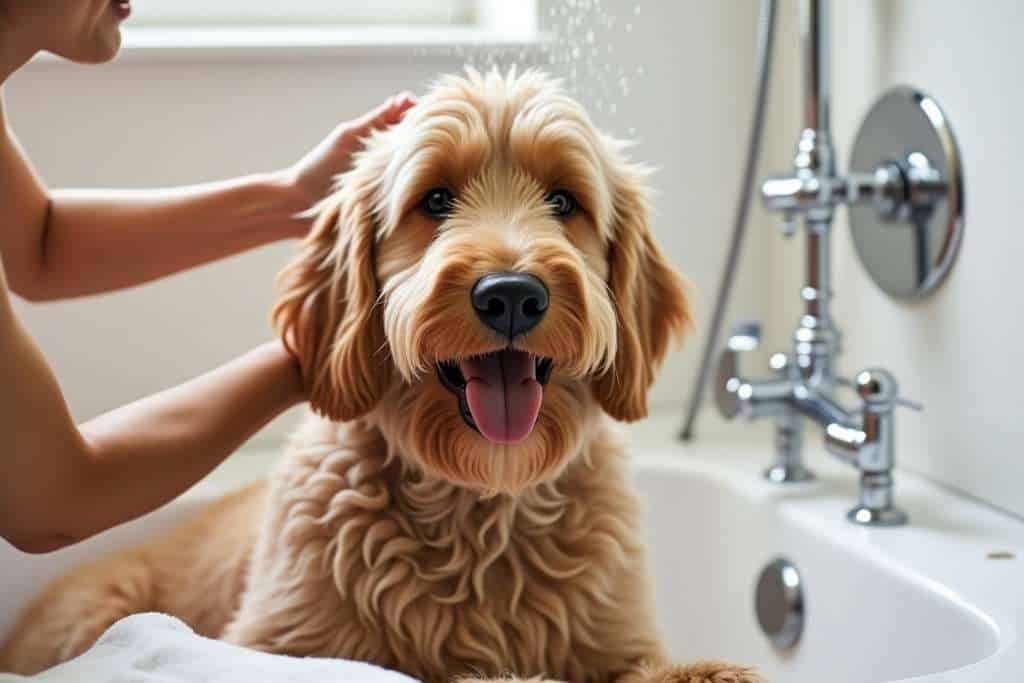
column 703, row 672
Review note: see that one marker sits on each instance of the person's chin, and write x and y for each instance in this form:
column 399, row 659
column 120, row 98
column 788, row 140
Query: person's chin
column 103, row 49
column 99, row 50
column 113, row 48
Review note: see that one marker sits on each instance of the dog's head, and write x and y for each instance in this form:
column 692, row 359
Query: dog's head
column 482, row 283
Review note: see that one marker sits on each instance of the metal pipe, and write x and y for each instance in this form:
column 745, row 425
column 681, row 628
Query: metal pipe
column 765, row 39
column 815, row 37
column 817, row 340
column 816, row 293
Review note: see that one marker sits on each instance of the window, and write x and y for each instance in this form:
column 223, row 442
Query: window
column 239, row 13
column 190, row 29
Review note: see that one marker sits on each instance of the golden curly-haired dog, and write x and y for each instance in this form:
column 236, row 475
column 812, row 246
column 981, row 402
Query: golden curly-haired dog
column 475, row 305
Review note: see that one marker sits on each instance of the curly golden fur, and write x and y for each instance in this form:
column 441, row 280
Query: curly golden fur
column 391, row 531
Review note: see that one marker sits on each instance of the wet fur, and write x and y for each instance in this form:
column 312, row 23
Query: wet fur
column 390, row 532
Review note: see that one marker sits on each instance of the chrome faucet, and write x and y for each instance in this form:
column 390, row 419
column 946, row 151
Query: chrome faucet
column 804, row 383
column 868, row 445
column 863, row 438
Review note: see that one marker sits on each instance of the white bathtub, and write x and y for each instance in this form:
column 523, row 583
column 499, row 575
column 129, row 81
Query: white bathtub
column 924, row 602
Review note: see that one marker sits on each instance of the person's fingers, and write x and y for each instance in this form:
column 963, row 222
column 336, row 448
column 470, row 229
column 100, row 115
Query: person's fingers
column 401, row 103
column 384, row 115
column 392, row 110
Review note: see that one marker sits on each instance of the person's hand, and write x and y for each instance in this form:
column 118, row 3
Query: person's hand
column 312, row 177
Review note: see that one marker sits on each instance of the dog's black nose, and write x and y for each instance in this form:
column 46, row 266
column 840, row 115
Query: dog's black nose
column 510, row 303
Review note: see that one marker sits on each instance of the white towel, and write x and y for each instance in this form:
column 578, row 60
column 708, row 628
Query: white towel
column 157, row 648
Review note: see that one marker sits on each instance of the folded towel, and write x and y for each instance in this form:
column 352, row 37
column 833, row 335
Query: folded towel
column 157, row 648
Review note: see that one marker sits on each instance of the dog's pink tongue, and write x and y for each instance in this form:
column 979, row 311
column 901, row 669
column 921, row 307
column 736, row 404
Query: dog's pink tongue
column 503, row 394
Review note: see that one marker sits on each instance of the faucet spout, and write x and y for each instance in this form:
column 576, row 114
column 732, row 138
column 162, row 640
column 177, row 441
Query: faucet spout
column 844, row 442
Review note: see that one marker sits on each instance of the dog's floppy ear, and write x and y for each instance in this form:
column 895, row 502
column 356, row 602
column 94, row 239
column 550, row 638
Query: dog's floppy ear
column 327, row 312
column 650, row 303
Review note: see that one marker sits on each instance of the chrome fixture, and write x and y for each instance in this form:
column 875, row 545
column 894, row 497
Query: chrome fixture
column 779, row 603
column 904, row 192
column 905, row 195
column 909, row 242
column 805, row 381
column 867, row 443
column 863, row 438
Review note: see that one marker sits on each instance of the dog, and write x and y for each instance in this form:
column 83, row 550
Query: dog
column 477, row 306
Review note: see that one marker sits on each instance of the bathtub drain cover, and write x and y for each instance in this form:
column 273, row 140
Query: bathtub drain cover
column 779, row 603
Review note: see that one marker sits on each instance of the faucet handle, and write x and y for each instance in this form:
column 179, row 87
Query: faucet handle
column 789, row 195
column 745, row 336
column 880, row 390
column 916, row 406
column 870, row 448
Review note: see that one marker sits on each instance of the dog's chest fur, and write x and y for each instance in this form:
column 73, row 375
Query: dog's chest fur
column 362, row 559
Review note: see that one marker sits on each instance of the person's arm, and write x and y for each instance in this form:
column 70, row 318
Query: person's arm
column 66, row 243
column 60, row 483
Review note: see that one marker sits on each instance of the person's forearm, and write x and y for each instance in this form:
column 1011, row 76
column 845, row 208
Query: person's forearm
column 100, row 240
column 68, row 243
column 59, row 244
column 60, row 483
column 145, row 454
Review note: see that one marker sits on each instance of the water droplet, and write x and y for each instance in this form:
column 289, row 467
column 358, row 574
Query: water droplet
column 583, row 52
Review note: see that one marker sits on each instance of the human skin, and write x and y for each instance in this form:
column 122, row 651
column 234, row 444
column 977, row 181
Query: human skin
column 61, row 482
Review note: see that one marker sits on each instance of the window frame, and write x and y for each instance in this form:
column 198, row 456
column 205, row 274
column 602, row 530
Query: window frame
column 500, row 24
column 224, row 14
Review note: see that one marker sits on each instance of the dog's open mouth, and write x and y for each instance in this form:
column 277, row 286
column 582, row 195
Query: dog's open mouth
column 499, row 393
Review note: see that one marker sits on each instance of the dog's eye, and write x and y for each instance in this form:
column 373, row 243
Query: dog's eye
column 563, row 204
column 438, row 202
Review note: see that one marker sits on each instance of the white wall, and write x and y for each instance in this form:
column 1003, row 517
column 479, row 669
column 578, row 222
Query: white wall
column 140, row 124
column 958, row 352
column 137, row 124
